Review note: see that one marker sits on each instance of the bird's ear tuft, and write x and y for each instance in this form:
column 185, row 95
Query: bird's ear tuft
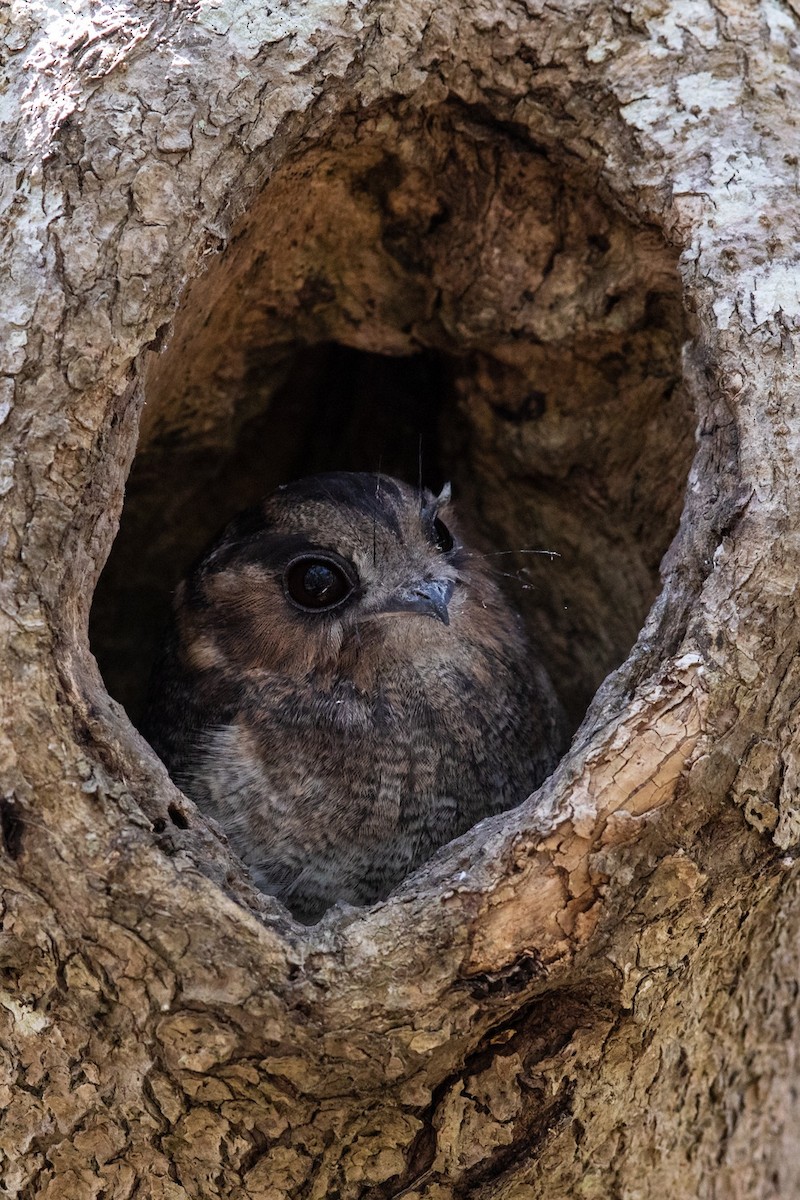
column 428, row 511
column 444, row 497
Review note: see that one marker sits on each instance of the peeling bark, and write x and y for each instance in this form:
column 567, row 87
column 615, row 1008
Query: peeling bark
column 594, row 994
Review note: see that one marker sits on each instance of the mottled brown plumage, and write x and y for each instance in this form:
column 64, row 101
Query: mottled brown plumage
column 344, row 689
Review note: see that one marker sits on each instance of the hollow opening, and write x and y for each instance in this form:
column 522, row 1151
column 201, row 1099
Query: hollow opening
column 425, row 281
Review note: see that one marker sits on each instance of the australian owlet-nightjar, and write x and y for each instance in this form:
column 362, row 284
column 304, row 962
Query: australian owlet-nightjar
column 344, row 689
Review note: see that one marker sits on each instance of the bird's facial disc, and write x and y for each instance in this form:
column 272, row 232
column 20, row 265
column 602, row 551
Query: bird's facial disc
column 410, row 572
column 373, row 547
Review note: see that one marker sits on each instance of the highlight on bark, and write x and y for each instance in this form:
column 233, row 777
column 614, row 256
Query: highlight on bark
column 247, row 245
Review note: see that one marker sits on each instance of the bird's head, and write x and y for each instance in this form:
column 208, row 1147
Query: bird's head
column 327, row 569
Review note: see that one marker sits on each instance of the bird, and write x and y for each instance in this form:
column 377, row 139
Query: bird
column 343, row 687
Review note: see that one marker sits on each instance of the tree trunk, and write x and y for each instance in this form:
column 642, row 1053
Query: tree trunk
column 213, row 213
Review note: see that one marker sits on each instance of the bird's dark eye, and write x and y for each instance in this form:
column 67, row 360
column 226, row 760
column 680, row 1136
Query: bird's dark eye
column 317, row 584
column 442, row 537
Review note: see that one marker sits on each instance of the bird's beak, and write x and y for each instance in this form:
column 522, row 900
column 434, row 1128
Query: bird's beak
column 429, row 598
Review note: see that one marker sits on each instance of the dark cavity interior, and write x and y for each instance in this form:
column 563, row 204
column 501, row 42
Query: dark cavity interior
column 425, row 280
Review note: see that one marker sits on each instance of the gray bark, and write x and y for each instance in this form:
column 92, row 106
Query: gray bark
column 595, row 994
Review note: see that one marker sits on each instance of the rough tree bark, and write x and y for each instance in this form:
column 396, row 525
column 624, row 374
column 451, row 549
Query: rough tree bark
column 595, row 995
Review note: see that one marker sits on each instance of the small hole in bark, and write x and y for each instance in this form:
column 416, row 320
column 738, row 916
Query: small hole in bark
column 12, row 828
column 159, row 825
column 599, row 242
column 506, row 983
column 177, row 817
column 532, row 407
